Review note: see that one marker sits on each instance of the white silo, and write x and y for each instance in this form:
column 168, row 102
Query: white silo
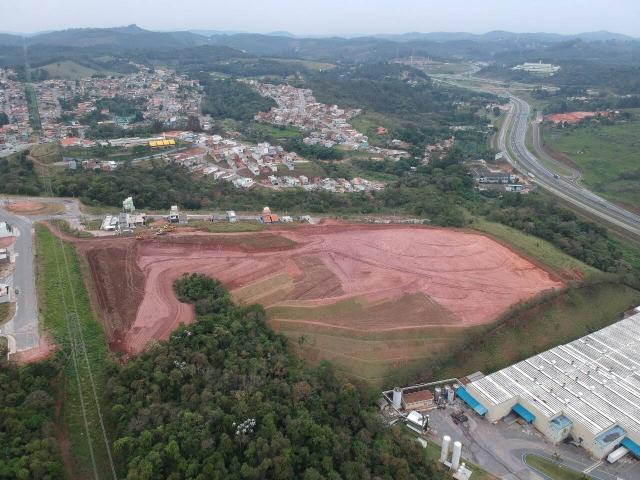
column 444, row 453
column 397, row 397
column 455, row 458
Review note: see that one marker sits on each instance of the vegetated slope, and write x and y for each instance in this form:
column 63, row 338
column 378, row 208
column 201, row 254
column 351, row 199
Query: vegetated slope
column 225, row 399
column 580, row 310
column 67, row 315
column 27, row 431
column 607, row 156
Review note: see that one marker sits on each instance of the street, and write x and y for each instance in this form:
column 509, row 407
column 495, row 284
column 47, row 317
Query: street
column 23, row 328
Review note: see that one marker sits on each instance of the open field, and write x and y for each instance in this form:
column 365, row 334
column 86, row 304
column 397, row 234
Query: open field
column 570, row 315
column 31, row 207
column 538, row 250
column 69, row 70
column 553, row 470
column 607, row 155
column 366, row 297
column 446, row 68
column 309, row 64
column 66, row 314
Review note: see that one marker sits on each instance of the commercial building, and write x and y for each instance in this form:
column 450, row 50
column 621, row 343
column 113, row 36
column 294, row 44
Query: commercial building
column 538, row 68
column 588, row 389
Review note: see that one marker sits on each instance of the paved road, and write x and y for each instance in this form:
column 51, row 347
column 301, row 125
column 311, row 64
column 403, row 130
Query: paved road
column 513, row 135
column 574, row 176
column 24, row 328
column 24, row 325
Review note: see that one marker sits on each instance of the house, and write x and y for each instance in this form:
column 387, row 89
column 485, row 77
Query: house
column 70, row 142
column 420, row 400
column 268, row 217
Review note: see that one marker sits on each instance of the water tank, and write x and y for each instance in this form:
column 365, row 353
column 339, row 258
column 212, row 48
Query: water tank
column 397, row 397
column 438, row 394
column 451, row 395
column 455, row 458
column 617, row 454
column 444, row 453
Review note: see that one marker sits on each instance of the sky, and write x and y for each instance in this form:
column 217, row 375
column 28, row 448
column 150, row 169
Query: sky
column 327, row 17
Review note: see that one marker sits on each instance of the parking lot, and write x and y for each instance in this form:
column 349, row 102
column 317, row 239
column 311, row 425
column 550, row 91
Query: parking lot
column 500, row 448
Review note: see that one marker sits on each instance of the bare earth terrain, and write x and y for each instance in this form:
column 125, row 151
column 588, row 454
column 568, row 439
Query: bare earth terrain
column 349, row 280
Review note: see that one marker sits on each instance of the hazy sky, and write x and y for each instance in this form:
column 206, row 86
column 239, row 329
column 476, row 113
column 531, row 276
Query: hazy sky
column 315, row 17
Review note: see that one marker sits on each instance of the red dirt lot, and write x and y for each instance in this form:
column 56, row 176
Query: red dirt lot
column 573, row 117
column 360, row 278
column 30, row 207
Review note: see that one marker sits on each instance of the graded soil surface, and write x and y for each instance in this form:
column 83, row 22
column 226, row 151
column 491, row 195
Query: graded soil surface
column 352, row 281
column 29, row 207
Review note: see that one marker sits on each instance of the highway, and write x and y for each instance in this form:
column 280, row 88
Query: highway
column 512, row 141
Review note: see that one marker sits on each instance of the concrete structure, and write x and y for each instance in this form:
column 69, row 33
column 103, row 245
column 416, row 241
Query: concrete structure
column 397, row 397
column 588, row 389
column 127, row 204
column 5, row 230
column 417, row 422
column 5, row 293
column 455, row 457
column 444, row 452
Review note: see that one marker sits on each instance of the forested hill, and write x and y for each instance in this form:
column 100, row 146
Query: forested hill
column 225, row 398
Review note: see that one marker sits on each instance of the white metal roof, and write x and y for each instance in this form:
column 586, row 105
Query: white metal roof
column 595, row 380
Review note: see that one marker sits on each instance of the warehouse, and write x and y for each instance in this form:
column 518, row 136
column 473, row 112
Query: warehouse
column 588, row 389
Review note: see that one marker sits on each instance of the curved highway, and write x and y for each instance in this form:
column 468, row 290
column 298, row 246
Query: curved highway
column 512, row 141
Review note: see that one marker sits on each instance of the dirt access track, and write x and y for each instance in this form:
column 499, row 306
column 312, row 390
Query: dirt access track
column 349, row 278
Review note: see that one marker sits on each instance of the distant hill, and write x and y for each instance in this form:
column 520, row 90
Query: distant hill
column 501, row 35
column 130, row 37
column 10, row 39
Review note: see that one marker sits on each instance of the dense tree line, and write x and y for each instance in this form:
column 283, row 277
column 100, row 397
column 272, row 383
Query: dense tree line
column 225, row 398
column 17, row 176
column 28, row 446
column 544, row 218
column 232, row 99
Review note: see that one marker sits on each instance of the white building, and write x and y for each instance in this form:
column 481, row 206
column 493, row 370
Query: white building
column 538, row 68
column 588, row 389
